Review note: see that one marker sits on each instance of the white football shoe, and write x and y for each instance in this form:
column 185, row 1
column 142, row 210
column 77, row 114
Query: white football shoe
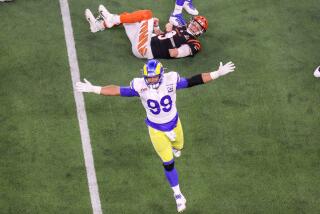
column 176, row 152
column 103, row 11
column 108, row 17
column 317, row 72
column 188, row 6
column 93, row 22
column 181, row 202
column 177, row 20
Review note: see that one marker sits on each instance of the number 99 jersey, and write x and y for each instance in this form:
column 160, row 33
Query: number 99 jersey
column 160, row 104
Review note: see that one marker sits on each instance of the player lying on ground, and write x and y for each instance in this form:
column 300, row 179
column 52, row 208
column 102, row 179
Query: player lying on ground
column 145, row 36
column 176, row 17
column 157, row 92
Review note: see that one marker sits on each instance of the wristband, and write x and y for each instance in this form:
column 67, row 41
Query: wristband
column 195, row 80
column 96, row 89
column 214, row 75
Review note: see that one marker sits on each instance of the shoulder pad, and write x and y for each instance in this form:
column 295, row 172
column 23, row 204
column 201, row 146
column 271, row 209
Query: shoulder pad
column 172, row 77
column 137, row 84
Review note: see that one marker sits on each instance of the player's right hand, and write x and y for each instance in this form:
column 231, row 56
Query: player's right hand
column 86, row 86
column 169, row 27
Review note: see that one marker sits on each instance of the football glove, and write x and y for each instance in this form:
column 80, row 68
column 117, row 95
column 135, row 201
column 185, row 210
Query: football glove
column 223, row 70
column 86, row 86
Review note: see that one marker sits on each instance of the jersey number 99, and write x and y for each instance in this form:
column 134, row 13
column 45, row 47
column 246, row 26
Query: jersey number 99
column 164, row 105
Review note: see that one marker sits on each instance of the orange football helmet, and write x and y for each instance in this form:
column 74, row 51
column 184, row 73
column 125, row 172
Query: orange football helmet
column 200, row 23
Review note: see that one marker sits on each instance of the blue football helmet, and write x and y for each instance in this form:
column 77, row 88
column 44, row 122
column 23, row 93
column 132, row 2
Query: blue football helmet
column 153, row 68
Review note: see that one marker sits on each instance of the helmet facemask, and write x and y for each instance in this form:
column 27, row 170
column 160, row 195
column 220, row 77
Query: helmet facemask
column 195, row 25
column 198, row 25
column 153, row 73
column 156, row 84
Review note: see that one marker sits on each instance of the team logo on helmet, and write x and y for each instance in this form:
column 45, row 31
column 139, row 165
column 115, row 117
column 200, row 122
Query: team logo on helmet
column 153, row 73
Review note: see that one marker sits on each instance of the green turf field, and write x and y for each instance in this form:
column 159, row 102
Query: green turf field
column 252, row 139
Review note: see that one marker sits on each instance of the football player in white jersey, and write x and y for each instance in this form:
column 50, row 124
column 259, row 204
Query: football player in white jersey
column 157, row 92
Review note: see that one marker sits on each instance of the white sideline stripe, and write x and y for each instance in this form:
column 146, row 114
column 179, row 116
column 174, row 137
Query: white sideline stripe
column 81, row 112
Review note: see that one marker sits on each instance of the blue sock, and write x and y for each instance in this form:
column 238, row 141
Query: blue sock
column 180, row 2
column 171, row 173
column 172, row 177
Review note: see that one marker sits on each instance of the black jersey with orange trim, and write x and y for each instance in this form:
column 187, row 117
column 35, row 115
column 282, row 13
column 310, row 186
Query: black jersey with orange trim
column 161, row 44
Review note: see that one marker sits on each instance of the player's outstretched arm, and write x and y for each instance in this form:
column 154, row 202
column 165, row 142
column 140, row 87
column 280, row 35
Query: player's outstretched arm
column 86, row 86
column 206, row 77
column 222, row 70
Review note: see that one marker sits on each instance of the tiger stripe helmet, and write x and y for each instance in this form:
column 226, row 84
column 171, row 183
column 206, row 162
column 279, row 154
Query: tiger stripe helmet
column 202, row 22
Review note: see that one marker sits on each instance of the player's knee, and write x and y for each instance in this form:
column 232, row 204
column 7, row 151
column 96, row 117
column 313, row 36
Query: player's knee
column 147, row 14
column 168, row 167
column 178, row 146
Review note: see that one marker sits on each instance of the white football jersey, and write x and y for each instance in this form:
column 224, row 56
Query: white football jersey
column 160, row 104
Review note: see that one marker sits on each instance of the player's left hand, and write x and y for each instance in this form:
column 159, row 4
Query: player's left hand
column 155, row 22
column 225, row 69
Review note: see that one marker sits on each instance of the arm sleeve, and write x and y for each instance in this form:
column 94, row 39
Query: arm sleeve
column 182, row 83
column 184, row 51
column 190, row 82
column 126, row 91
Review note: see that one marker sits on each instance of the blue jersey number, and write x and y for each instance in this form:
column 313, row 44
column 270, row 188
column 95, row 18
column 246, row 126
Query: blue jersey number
column 165, row 102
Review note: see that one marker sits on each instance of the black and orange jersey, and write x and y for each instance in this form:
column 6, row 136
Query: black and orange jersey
column 179, row 36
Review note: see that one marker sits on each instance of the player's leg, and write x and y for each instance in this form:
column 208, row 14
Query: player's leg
column 138, row 26
column 189, row 7
column 96, row 24
column 108, row 20
column 163, row 147
column 140, row 34
column 132, row 30
column 136, row 16
column 176, row 17
column 161, row 144
column 177, row 145
column 178, row 7
column 124, row 18
column 172, row 177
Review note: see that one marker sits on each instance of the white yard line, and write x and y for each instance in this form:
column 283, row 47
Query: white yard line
column 81, row 112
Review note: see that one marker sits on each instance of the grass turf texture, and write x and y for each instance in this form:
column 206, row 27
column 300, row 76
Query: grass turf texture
column 251, row 138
